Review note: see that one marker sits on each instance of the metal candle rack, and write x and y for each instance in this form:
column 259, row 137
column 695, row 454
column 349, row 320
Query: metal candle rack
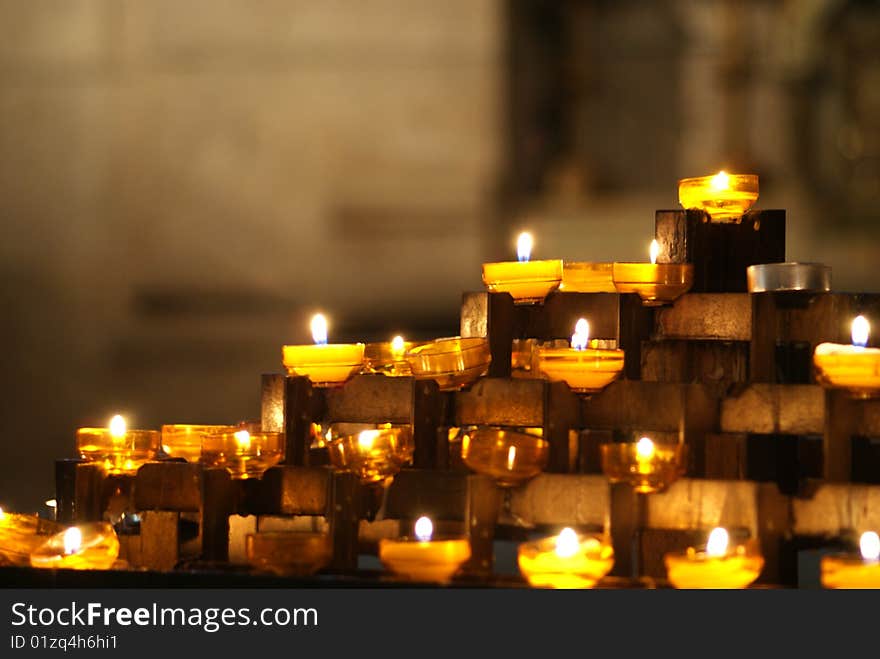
column 725, row 371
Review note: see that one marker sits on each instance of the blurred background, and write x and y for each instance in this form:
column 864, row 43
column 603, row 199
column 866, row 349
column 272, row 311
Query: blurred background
column 184, row 182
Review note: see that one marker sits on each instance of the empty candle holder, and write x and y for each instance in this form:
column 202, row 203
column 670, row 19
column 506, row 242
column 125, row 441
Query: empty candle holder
column 184, row 440
column 373, row 453
column 21, row 534
column 725, row 197
column 92, row 546
column 717, row 565
column 118, row 449
column 452, row 362
column 587, row 278
column 289, row 553
column 569, row 560
column 849, row 571
column 243, row 453
column 388, row 357
column 423, row 557
column 508, row 456
column 647, row 466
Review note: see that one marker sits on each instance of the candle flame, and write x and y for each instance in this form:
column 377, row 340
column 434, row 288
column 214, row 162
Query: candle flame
column 654, row 251
column 319, row 329
column 117, row 427
column 861, row 328
column 243, row 439
column 52, row 503
column 566, row 543
column 511, row 457
column 869, row 544
column 721, row 181
column 1, row 513
column 645, row 449
column 424, row 529
column 397, row 344
column 524, row 246
column 72, row 540
column 581, row 336
column 718, row 541
column 366, row 439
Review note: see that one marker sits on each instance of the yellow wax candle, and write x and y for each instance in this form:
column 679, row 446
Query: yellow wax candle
column 656, row 283
column 725, row 197
column 373, row 454
column 851, row 572
column 647, row 466
column 243, row 453
column 85, row 547
column 20, row 535
column 855, row 367
column 326, row 365
column 184, row 440
column 528, row 282
column 718, row 567
column 424, row 558
column 119, row 449
column 568, row 560
column 584, row 369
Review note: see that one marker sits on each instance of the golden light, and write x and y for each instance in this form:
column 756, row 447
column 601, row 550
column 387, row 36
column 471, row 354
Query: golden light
column 645, row 449
column 861, row 329
column 1, row 513
column 721, row 181
column 717, row 543
column 52, row 503
column 511, row 457
column 524, row 246
column 117, row 427
column 869, row 544
column 366, row 438
column 243, row 439
column 319, row 329
column 424, row 529
column 566, row 543
column 397, row 346
column 654, row 251
column 72, row 540
column 581, row 336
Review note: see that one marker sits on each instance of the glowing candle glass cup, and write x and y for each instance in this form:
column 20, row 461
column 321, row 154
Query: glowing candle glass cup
column 528, row 282
column 118, row 449
column 586, row 370
column 647, row 466
column 854, row 368
column 854, row 571
column 453, row 363
column 184, row 440
column 423, row 557
column 243, row 453
column 656, row 283
column 325, row 364
column 388, row 358
column 717, row 566
column 91, row 546
column 587, row 278
column 568, row 560
column 20, row 535
column 508, row 456
column 289, row 554
column 373, row 454
column 725, row 197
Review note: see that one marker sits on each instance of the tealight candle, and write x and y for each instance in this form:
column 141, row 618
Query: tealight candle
column 646, row 466
column 855, row 367
column 528, row 282
column 718, row 566
column 184, row 440
column 844, row 571
column 373, row 454
column 243, row 453
column 568, row 560
column 20, row 535
column 423, row 557
column 585, row 369
column 325, row 364
column 656, row 283
column 388, row 358
column 86, row 547
column 725, row 197
column 118, row 449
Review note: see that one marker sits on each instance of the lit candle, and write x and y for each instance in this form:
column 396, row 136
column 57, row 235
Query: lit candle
column 451, row 362
column 646, row 466
column 656, row 283
column 184, row 440
column 847, row 571
column 424, row 557
column 119, row 449
column 725, row 197
column 325, row 364
column 528, row 282
column 373, row 454
column 508, row 456
column 20, row 535
column 717, row 566
column 586, row 370
column 243, row 453
column 86, row 547
column 855, row 367
column 568, row 560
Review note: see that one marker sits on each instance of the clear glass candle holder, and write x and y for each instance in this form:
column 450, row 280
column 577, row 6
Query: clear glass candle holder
column 508, row 456
column 453, row 363
column 289, row 553
column 374, row 453
column 243, row 453
column 118, row 453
